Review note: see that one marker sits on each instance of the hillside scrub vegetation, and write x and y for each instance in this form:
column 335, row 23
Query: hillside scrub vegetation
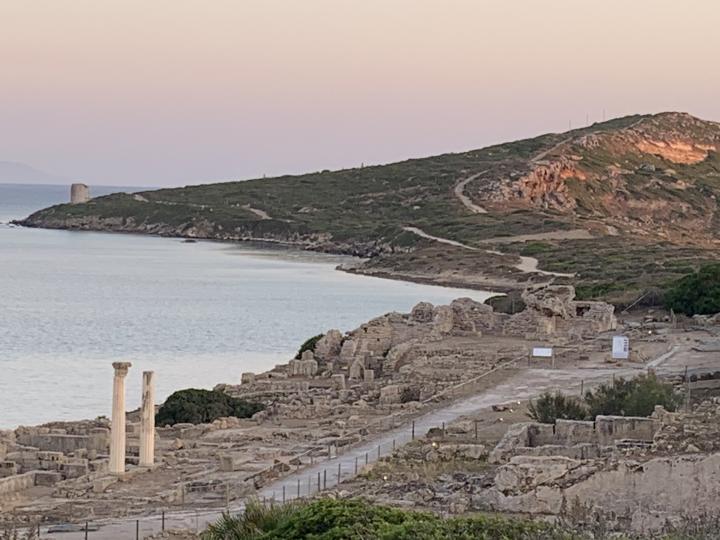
column 623, row 397
column 196, row 406
column 308, row 345
column 697, row 293
column 356, row 519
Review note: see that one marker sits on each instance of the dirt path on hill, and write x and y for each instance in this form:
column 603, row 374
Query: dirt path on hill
column 529, row 265
column 464, row 199
column 573, row 234
column 262, row 214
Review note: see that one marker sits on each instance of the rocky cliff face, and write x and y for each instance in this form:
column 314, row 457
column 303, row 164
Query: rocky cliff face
column 659, row 174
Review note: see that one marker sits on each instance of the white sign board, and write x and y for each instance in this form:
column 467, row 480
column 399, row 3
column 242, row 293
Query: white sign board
column 542, row 352
column 620, row 348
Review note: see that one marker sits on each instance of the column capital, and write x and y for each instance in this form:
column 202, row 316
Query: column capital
column 121, row 368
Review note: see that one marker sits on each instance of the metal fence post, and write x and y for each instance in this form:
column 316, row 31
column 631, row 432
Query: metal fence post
column 137, row 529
column 413, row 430
column 87, row 526
column 298, row 489
column 338, row 478
column 163, row 520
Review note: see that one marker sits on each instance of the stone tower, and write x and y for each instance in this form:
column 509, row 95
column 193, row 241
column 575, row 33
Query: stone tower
column 79, row 193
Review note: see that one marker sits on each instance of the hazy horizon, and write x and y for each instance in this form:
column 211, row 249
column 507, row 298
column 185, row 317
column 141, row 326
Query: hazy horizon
column 169, row 93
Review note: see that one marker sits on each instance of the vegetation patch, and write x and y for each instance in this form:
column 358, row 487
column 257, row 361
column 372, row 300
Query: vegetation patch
column 697, row 293
column 356, row 519
column 623, row 397
column 196, row 406
column 308, row 345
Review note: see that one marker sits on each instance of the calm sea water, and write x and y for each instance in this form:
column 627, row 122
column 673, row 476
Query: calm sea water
column 198, row 314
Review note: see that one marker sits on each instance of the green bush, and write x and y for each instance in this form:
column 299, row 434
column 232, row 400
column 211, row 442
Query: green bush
column 550, row 407
column 632, row 397
column 697, row 293
column 201, row 406
column 309, row 345
column 356, row 519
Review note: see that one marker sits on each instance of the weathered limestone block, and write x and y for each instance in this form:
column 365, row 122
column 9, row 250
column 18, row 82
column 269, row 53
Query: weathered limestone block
column 19, row 482
column 526, row 473
column 329, row 346
column 612, row 428
column 398, row 356
column 348, row 350
column 247, row 378
column 422, row 312
column 443, row 320
column 550, row 300
column 305, row 367
column 356, row 369
column 8, row 468
column 390, row 394
column 369, row 375
column 339, row 380
column 47, row 478
column 571, row 432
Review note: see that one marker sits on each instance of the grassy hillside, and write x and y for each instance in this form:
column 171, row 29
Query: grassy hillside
column 643, row 186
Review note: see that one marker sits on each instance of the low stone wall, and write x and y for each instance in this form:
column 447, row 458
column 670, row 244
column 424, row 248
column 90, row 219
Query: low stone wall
column 19, row 482
column 571, row 438
column 644, row 494
column 58, row 442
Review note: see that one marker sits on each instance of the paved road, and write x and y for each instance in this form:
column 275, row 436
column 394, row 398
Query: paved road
column 524, row 385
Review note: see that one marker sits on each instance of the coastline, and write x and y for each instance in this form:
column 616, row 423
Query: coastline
column 480, row 282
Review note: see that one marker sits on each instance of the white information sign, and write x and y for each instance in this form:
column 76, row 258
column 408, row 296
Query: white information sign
column 620, row 348
column 542, row 352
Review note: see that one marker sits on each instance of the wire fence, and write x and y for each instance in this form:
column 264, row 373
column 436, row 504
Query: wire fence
column 339, row 466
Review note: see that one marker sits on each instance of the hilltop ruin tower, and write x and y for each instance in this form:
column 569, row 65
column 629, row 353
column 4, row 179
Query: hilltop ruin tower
column 79, row 193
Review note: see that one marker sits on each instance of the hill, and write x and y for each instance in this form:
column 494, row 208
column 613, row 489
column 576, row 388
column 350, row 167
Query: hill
column 12, row 172
column 616, row 208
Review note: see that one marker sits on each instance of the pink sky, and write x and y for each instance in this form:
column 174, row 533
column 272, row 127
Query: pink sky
column 169, row 92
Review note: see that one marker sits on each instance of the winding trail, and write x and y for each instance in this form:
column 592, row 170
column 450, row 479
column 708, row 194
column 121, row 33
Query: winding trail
column 464, row 199
column 528, row 265
column 262, row 214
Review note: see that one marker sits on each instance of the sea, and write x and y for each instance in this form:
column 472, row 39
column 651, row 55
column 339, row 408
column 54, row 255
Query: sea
column 197, row 314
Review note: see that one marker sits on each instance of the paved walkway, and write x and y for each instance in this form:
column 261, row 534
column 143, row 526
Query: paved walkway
column 527, row 384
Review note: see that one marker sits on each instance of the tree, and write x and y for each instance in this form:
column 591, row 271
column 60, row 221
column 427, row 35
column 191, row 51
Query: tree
column 550, row 407
column 309, row 345
column 201, row 406
column 697, row 293
column 632, row 397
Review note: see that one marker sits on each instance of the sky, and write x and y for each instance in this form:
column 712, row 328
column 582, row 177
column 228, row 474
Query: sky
column 175, row 92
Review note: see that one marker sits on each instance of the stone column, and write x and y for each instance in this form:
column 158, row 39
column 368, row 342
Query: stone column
column 117, row 426
column 147, row 420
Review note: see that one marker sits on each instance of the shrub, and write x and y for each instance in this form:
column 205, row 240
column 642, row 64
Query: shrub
column 410, row 393
column 200, row 406
column 330, row 519
column 632, row 397
column 697, row 293
column 549, row 407
column 309, row 345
